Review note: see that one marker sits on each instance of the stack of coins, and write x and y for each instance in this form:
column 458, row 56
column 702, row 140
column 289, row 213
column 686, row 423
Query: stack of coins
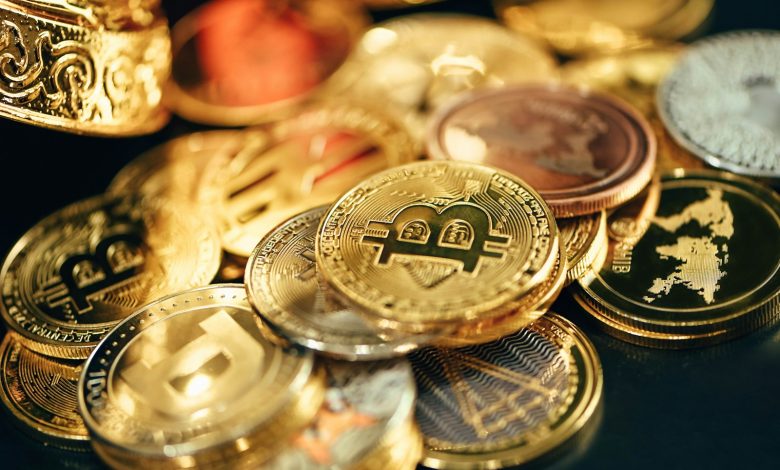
column 365, row 276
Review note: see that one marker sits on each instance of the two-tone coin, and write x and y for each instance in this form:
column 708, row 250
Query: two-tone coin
column 721, row 101
column 189, row 380
column 508, row 402
column 703, row 269
column 584, row 239
column 583, row 151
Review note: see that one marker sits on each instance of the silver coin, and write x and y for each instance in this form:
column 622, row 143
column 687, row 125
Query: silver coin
column 722, row 102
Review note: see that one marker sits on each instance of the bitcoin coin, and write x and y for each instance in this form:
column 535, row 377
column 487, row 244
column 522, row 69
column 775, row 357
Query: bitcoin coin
column 507, row 402
column 721, row 101
column 576, row 27
column 584, row 238
column 417, row 63
column 41, row 394
column 583, row 151
column 703, row 270
column 189, row 380
column 78, row 272
column 240, row 62
column 364, row 404
column 304, row 162
column 283, row 285
column 436, row 243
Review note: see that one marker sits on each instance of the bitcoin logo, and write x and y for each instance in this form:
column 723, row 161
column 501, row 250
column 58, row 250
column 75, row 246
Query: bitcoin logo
column 461, row 233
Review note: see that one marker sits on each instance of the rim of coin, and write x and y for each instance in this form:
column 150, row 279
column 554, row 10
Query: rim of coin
column 76, row 273
column 583, row 238
column 476, row 437
column 648, row 315
column 210, row 323
column 282, row 284
column 620, row 167
column 193, row 106
column 734, row 131
column 40, row 393
column 355, row 244
column 303, row 162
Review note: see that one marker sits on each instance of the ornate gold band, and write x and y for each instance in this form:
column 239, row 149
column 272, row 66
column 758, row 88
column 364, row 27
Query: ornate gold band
column 87, row 80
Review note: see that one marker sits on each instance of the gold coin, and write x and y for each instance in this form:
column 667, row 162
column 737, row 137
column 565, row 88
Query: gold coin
column 41, row 394
column 75, row 274
column 576, row 27
column 416, row 63
column 189, row 381
column 584, row 239
column 283, row 285
column 303, row 162
column 508, row 402
column 436, row 242
column 704, row 270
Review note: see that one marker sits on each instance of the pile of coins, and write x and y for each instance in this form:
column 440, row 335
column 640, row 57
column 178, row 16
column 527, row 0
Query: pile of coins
column 365, row 277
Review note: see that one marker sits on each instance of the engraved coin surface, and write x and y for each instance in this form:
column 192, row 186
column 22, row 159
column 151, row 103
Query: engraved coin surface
column 582, row 151
column 507, row 402
column 364, row 402
column 434, row 242
column 41, row 394
column 704, row 269
column 74, row 275
column 721, row 102
column 304, row 162
column 584, row 238
column 191, row 378
column 283, row 285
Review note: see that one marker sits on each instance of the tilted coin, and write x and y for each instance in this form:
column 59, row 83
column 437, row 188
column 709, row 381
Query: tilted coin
column 416, row 63
column 40, row 393
column 365, row 404
column 507, row 402
column 583, row 151
column 721, row 101
column 436, row 243
column 704, row 270
column 303, row 162
column 239, row 62
column 189, row 380
column 584, row 239
column 283, row 285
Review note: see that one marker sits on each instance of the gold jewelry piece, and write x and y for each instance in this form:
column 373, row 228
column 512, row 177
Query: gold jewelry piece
column 190, row 381
column 75, row 274
column 70, row 67
column 436, row 243
column 41, row 394
column 584, row 239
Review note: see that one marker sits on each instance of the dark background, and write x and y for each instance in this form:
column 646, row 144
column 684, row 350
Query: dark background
column 708, row 408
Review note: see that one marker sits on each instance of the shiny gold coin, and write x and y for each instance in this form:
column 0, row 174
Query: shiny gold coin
column 402, row 450
column 190, row 381
column 416, row 63
column 508, row 402
column 436, row 243
column 304, row 162
column 75, row 274
column 576, row 27
column 704, row 270
column 41, row 394
column 584, row 239
column 283, row 285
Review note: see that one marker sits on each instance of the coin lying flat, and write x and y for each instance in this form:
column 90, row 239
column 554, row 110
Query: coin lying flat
column 416, row 63
column 721, row 101
column 303, row 162
column 41, row 394
column 189, row 380
column 584, row 239
column 436, row 243
column 75, row 274
column 239, row 62
column 507, row 402
column 583, row 151
column 283, row 285
column 703, row 270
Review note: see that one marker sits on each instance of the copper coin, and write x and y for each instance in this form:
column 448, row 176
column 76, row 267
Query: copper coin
column 582, row 151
